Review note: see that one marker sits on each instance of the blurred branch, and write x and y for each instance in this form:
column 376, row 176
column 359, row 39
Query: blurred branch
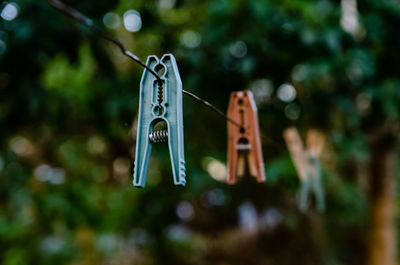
column 69, row 11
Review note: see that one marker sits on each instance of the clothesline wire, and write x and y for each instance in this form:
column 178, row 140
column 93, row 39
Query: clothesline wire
column 89, row 23
column 67, row 10
column 73, row 13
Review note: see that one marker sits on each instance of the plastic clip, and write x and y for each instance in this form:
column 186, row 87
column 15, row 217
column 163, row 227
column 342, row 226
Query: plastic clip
column 160, row 101
column 308, row 166
column 244, row 140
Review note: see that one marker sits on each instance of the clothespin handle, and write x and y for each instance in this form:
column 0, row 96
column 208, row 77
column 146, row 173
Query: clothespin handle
column 244, row 140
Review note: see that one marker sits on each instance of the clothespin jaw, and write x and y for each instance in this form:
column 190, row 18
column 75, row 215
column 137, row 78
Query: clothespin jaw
column 244, row 140
column 160, row 101
column 315, row 142
column 307, row 165
column 313, row 183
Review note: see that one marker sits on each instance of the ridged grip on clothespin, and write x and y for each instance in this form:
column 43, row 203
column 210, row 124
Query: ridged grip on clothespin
column 160, row 102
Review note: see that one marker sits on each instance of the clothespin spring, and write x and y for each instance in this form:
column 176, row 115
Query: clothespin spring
column 158, row 136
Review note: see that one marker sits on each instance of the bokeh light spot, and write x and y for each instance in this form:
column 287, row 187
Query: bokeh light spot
column 292, row 111
column 185, row 211
column 178, row 233
column 363, row 103
column 190, row 39
column 271, row 218
column 112, row 20
column 132, row 20
column 46, row 173
column 107, row 243
column 10, row 11
column 96, row 145
column 215, row 168
column 262, row 89
column 248, row 219
column 300, row 73
column 216, row 197
column 286, row 92
column 121, row 169
column 167, row 4
column 21, row 146
column 349, row 19
column 52, row 245
column 238, row 49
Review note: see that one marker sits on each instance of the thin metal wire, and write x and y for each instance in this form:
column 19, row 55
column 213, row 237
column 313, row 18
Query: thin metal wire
column 208, row 104
column 69, row 11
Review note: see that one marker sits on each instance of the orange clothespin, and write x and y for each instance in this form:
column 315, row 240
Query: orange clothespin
column 244, row 137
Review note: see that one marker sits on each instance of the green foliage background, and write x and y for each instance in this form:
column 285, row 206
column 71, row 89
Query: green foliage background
column 69, row 100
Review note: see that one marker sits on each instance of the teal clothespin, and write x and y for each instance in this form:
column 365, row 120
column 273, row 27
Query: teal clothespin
column 160, row 102
column 313, row 183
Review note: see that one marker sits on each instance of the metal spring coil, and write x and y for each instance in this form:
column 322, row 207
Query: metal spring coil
column 158, row 136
